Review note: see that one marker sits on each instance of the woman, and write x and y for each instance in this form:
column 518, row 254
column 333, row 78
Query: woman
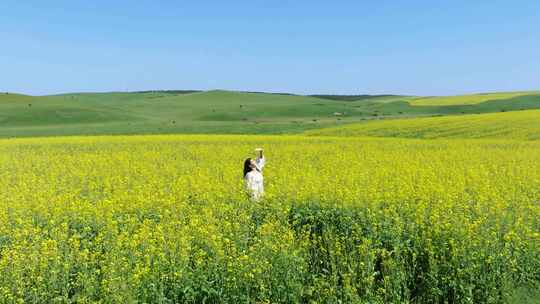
column 253, row 177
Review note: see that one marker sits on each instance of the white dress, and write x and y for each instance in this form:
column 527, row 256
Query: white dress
column 254, row 180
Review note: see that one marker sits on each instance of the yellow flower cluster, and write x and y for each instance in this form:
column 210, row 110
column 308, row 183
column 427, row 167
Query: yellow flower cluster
column 164, row 219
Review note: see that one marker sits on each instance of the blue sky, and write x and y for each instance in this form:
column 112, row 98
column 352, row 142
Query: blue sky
column 347, row 47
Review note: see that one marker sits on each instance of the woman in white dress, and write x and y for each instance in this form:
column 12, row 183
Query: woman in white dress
column 253, row 177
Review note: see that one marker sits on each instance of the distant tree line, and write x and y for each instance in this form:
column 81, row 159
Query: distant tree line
column 350, row 97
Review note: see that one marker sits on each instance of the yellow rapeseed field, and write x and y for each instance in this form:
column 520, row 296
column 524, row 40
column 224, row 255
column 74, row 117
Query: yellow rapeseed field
column 467, row 99
column 164, row 219
column 516, row 125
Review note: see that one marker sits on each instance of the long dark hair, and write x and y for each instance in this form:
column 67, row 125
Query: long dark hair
column 247, row 166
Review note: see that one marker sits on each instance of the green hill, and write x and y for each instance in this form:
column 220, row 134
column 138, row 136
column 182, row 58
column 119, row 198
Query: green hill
column 511, row 125
column 182, row 111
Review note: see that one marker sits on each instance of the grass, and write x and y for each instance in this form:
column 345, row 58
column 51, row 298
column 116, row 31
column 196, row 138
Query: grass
column 525, row 295
column 510, row 125
column 163, row 112
column 223, row 112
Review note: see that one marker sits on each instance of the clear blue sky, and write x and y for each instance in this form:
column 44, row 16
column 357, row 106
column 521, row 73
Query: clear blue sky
column 408, row 47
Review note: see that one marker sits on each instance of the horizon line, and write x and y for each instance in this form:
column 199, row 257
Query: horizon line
column 191, row 91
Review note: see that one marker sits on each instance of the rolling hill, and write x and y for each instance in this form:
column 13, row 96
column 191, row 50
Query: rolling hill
column 467, row 99
column 523, row 125
column 226, row 112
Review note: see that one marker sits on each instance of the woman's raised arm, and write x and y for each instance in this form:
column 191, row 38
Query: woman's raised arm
column 260, row 161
